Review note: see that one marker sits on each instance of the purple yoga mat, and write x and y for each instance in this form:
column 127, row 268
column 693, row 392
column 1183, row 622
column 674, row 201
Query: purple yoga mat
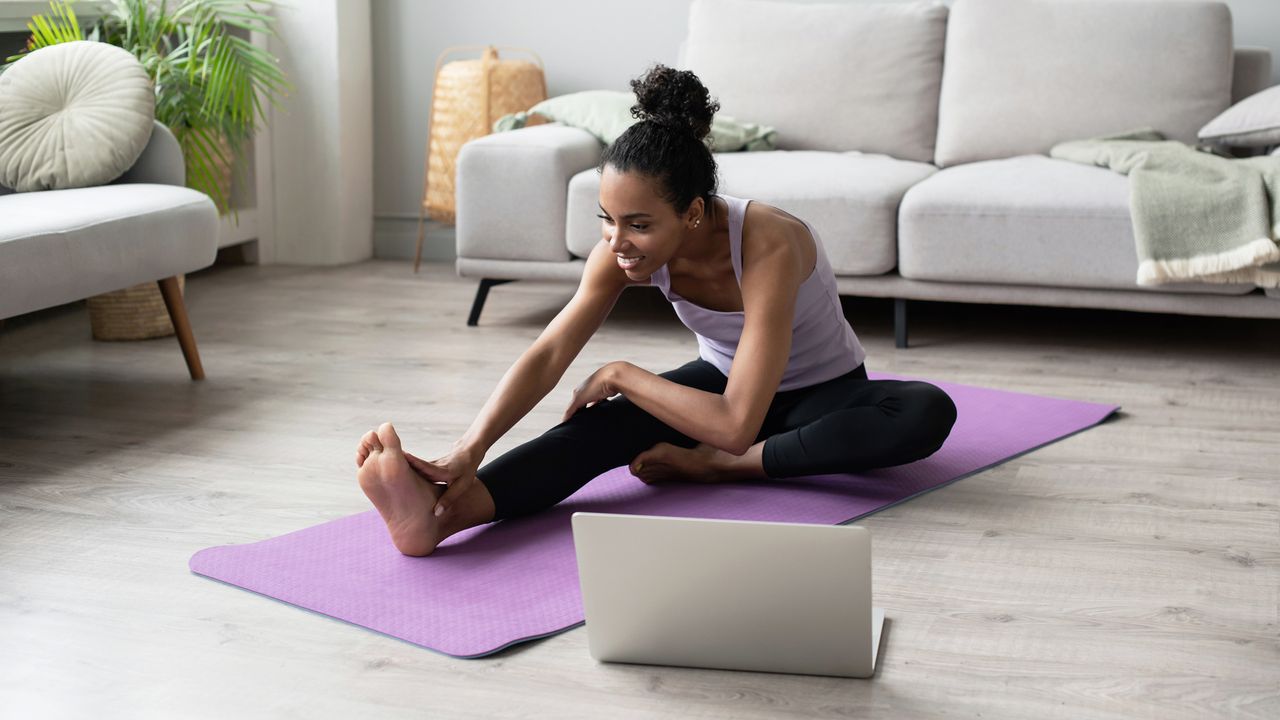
column 516, row 580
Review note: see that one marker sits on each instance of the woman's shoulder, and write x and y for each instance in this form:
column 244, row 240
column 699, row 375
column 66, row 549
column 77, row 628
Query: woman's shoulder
column 763, row 216
column 767, row 227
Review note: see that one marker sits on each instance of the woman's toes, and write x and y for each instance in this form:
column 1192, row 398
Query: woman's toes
column 652, row 465
column 368, row 444
column 637, row 464
column 387, row 437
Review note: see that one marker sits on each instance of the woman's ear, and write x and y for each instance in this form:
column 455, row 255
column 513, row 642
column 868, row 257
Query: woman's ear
column 695, row 213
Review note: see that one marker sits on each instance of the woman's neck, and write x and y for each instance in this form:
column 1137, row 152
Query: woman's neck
column 705, row 242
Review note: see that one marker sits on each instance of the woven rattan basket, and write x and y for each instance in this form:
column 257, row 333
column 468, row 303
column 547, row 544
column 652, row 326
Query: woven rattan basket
column 134, row 313
column 469, row 96
column 139, row 312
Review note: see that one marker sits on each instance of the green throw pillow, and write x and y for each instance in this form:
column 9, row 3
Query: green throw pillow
column 607, row 113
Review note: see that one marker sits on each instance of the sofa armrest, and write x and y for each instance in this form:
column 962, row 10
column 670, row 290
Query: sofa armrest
column 512, row 191
column 160, row 162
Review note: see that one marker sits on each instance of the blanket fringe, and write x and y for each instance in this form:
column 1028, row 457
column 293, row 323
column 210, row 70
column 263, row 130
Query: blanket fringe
column 1238, row 265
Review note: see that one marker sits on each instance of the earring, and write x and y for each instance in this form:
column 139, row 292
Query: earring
column 697, row 222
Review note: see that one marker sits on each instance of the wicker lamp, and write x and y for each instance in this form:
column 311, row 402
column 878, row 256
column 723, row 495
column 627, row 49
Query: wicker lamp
column 469, row 96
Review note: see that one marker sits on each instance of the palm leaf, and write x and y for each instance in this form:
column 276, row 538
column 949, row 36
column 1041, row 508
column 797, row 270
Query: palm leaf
column 204, row 156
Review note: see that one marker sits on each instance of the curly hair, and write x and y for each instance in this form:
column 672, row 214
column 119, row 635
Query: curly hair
column 675, row 112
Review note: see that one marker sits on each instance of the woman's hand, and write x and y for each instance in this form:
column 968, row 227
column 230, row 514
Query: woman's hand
column 457, row 469
column 602, row 385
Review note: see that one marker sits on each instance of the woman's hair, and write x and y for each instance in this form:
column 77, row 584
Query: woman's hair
column 675, row 112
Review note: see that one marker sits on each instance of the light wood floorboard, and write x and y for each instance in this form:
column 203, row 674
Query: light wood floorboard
column 1130, row 571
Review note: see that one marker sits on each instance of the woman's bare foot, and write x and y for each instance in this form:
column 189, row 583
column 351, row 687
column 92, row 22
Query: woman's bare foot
column 404, row 499
column 704, row 463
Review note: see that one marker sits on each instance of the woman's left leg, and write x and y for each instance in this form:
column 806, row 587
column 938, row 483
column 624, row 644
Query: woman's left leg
column 843, row 425
column 852, row 423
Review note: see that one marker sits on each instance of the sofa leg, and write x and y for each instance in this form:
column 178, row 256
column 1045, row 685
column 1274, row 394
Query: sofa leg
column 900, row 322
column 482, row 292
column 182, row 328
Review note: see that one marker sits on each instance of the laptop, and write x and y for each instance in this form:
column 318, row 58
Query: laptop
column 728, row 594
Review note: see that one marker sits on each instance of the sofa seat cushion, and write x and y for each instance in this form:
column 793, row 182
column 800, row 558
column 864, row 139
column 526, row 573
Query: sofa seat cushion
column 1027, row 220
column 59, row 246
column 850, row 198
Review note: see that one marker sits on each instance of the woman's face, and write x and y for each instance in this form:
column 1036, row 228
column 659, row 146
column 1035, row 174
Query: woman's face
column 643, row 231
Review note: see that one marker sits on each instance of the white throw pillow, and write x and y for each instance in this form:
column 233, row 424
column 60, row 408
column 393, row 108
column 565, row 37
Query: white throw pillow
column 1252, row 122
column 73, row 115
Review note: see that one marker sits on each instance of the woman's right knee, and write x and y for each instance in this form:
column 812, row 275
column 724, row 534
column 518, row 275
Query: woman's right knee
column 930, row 412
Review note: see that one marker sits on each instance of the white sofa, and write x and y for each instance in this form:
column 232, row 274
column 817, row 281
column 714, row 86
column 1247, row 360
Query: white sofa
column 925, row 180
column 59, row 246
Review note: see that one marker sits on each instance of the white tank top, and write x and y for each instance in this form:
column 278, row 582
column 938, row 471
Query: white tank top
column 823, row 344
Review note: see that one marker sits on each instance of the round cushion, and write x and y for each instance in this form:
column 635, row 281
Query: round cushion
column 73, row 115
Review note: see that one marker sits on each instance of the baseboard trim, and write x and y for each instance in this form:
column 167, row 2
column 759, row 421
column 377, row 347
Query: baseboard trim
column 396, row 237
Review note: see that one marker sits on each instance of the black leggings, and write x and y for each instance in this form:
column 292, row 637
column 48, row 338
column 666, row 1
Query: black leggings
column 843, row 425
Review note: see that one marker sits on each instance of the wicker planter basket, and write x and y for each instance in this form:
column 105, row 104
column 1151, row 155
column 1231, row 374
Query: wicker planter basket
column 468, row 97
column 223, row 169
column 134, row 313
column 139, row 312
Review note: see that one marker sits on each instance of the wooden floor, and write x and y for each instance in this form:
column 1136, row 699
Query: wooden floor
column 1129, row 571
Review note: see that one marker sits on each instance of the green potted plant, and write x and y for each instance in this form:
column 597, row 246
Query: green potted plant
column 209, row 84
column 207, row 78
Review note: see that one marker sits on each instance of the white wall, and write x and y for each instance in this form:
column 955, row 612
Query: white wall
column 584, row 45
column 322, row 136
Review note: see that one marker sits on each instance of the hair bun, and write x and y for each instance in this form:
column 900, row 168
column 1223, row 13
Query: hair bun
column 676, row 99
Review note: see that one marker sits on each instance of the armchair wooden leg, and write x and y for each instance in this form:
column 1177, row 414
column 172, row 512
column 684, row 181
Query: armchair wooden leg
column 182, row 327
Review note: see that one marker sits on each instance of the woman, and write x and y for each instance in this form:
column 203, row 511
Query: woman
column 779, row 388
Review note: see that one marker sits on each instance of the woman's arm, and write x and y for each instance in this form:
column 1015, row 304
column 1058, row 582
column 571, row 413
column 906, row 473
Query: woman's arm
column 538, row 370
column 771, row 276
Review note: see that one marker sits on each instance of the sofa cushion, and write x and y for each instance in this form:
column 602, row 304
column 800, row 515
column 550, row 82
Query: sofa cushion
column 850, row 198
column 59, row 246
column 1028, row 220
column 73, row 115
column 828, row 76
column 1024, row 75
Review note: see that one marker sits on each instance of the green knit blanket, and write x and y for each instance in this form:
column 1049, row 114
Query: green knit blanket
column 1196, row 216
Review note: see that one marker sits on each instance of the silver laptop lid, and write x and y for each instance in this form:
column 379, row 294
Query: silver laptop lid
column 728, row 594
